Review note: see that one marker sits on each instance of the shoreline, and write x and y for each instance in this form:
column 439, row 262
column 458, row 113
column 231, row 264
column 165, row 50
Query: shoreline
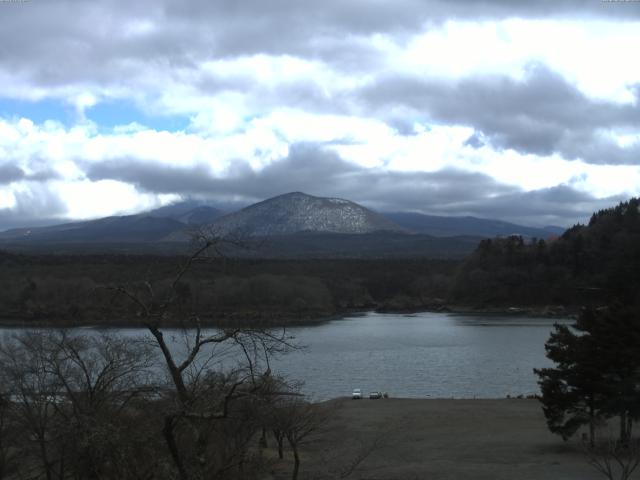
column 559, row 312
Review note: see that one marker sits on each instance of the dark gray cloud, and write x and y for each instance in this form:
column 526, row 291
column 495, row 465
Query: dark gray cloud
column 82, row 43
column 34, row 207
column 152, row 177
column 560, row 205
column 541, row 114
column 322, row 172
column 42, row 175
column 475, row 140
column 307, row 168
column 10, row 173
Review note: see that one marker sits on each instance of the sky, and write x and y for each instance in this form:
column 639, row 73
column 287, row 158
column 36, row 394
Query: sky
column 522, row 111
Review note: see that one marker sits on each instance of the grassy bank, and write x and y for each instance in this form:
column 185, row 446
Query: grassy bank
column 441, row 439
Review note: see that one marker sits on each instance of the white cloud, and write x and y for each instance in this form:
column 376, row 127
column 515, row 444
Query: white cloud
column 248, row 100
column 7, row 198
column 86, row 199
column 366, row 142
column 592, row 54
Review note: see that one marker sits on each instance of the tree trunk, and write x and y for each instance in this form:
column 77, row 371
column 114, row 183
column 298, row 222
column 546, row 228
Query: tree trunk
column 296, row 462
column 167, row 431
column 592, row 425
column 45, row 459
column 174, row 371
column 280, row 441
column 624, row 428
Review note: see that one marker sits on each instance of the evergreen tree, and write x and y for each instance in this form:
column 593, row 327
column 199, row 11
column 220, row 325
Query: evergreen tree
column 597, row 373
column 571, row 392
column 617, row 335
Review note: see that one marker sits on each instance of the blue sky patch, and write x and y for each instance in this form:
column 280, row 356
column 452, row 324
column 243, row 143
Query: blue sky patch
column 111, row 113
column 38, row 111
column 106, row 115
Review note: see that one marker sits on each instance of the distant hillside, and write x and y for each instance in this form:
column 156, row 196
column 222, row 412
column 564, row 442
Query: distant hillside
column 297, row 212
column 356, row 246
column 597, row 263
column 296, row 246
column 293, row 225
column 189, row 213
column 154, row 226
column 480, row 227
column 130, row 228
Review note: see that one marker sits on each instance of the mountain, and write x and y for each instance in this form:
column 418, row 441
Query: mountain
column 453, row 226
column 298, row 212
column 293, row 225
column 129, row 228
column 153, row 226
column 189, row 212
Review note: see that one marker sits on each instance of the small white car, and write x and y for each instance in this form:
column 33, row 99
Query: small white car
column 357, row 394
column 375, row 395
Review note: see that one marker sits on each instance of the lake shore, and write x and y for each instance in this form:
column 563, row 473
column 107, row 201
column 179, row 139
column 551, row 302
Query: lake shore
column 232, row 319
column 498, row 439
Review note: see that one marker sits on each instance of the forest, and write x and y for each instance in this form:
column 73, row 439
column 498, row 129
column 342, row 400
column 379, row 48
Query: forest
column 73, row 290
column 98, row 406
column 587, row 265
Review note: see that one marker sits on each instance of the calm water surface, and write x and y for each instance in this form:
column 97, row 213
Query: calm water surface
column 419, row 355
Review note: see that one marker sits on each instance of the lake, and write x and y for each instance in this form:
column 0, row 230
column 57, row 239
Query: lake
column 434, row 355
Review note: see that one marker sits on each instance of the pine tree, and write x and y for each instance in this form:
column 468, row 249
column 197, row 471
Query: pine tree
column 571, row 392
column 597, row 373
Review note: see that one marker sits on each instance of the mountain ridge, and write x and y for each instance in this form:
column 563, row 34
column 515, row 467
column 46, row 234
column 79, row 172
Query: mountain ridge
column 298, row 212
column 304, row 220
column 444, row 226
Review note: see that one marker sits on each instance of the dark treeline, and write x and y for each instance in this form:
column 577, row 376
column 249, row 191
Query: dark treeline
column 103, row 406
column 205, row 404
column 595, row 379
column 72, row 289
column 588, row 264
column 596, row 373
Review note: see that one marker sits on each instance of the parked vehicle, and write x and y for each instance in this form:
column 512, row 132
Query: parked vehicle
column 357, row 394
column 375, row 395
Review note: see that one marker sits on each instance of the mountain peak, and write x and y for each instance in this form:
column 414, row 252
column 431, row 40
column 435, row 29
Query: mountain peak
column 293, row 194
column 295, row 212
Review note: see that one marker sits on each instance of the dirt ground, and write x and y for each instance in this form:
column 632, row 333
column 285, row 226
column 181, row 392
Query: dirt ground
column 441, row 439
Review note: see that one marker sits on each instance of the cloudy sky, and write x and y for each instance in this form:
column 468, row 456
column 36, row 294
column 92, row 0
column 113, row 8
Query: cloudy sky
column 524, row 111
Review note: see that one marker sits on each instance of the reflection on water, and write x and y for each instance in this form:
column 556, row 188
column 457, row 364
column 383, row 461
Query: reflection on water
column 418, row 355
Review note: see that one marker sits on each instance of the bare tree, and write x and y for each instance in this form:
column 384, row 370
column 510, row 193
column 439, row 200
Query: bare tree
column 69, row 393
column 97, row 406
column 34, row 392
column 100, row 377
column 8, row 455
column 613, row 459
column 296, row 420
column 204, row 405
